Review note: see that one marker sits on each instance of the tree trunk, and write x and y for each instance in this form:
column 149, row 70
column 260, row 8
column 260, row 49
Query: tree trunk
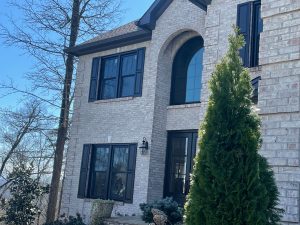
column 64, row 117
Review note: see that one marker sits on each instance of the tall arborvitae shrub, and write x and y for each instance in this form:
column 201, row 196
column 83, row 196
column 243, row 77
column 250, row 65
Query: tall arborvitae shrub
column 231, row 183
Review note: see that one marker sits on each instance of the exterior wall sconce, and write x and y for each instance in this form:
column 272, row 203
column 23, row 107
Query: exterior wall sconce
column 144, row 146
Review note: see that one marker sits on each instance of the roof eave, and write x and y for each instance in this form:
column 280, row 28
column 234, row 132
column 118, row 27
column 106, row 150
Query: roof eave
column 110, row 43
column 147, row 23
column 201, row 4
column 148, row 20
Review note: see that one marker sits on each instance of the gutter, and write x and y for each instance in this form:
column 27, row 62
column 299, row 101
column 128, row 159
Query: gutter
column 110, row 43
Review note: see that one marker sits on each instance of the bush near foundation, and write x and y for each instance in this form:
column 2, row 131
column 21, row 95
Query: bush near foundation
column 71, row 220
column 167, row 205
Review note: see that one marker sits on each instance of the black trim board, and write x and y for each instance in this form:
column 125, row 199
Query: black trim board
column 110, row 43
column 147, row 22
column 201, row 3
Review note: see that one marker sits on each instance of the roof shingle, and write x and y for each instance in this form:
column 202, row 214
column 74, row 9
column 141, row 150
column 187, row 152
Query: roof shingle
column 125, row 29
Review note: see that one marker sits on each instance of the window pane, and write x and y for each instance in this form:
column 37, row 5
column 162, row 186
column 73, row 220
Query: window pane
column 187, row 72
column 259, row 19
column 118, row 185
column 99, row 184
column 110, row 67
column 177, row 172
column 109, row 89
column 129, row 64
column 194, row 76
column 127, row 88
column 255, row 83
column 120, row 159
column 101, row 159
column 257, row 29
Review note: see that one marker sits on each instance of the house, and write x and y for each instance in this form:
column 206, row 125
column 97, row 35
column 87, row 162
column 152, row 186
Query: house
column 146, row 83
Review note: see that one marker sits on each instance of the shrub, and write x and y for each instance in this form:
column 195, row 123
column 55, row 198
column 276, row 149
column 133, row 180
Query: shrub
column 167, row 205
column 22, row 206
column 68, row 221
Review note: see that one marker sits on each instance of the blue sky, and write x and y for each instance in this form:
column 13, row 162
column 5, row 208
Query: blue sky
column 14, row 63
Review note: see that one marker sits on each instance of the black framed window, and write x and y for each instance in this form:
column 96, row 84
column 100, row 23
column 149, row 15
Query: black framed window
column 107, row 172
column 117, row 76
column 128, row 73
column 187, row 73
column 255, row 84
column 250, row 24
column 109, row 77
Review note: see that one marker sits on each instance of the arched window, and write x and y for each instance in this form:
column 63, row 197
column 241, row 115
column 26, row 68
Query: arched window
column 187, row 73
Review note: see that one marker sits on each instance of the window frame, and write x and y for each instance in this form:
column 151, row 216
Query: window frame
column 255, row 87
column 92, row 168
column 255, row 37
column 193, row 138
column 173, row 101
column 119, row 76
column 111, row 172
column 108, row 183
column 252, row 42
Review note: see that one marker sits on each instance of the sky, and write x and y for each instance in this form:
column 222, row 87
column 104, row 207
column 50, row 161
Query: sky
column 14, row 63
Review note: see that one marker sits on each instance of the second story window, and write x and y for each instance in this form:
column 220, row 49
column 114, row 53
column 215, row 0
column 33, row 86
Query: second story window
column 251, row 25
column 117, row 76
column 187, row 73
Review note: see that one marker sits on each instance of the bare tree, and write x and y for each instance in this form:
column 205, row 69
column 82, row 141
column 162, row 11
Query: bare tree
column 27, row 136
column 48, row 28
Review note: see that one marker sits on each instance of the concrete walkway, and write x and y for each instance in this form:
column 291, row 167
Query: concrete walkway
column 125, row 220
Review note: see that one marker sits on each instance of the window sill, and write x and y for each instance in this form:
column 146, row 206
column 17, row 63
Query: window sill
column 255, row 69
column 114, row 100
column 184, row 106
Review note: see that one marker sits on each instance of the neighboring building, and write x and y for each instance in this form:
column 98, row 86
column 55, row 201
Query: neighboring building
column 149, row 79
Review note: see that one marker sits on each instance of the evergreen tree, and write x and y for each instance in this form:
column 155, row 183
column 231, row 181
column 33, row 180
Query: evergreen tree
column 231, row 183
column 22, row 208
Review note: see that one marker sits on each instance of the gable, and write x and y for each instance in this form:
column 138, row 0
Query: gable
column 148, row 20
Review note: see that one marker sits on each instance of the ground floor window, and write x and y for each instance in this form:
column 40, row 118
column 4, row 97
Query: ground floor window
column 179, row 163
column 107, row 172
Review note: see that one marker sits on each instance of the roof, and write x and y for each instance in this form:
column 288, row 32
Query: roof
column 125, row 35
column 127, row 28
column 131, row 33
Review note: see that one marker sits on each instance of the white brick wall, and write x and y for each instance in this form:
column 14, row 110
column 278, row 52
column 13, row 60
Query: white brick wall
column 125, row 120
column 130, row 119
column 181, row 21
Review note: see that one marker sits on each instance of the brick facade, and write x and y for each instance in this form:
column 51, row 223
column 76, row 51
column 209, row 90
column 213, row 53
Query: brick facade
column 128, row 120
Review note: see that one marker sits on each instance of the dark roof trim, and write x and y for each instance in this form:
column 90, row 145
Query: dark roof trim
column 110, row 43
column 148, row 20
column 201, row 3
